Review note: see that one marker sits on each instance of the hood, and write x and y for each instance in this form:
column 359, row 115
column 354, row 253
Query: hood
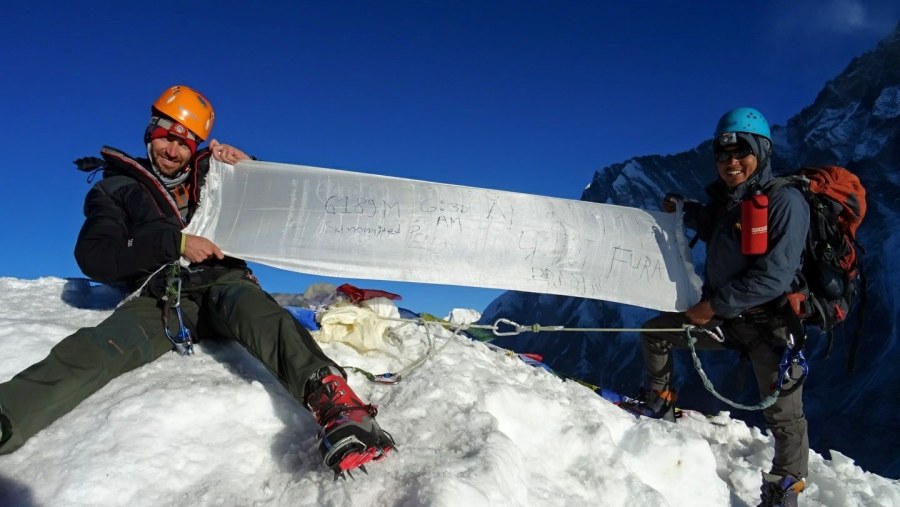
column 718, row 191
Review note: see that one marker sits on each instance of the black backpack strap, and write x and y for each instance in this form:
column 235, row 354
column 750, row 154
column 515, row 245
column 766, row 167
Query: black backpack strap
column 857, row 333
column 782, row 181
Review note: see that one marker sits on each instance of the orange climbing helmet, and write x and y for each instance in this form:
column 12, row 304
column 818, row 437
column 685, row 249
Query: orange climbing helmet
column 188, row 107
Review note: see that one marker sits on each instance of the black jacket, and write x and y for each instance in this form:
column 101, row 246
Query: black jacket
column 132, row 225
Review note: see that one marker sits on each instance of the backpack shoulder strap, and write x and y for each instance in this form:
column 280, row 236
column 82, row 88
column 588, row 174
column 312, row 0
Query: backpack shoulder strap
column 794, row 180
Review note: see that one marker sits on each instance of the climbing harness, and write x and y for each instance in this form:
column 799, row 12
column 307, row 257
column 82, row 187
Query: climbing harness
column 171, row 302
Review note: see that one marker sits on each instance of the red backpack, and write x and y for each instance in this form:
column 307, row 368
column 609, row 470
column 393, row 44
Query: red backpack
column 832, row 265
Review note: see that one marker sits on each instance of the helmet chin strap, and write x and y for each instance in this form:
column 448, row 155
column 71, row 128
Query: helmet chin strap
column 170, row 182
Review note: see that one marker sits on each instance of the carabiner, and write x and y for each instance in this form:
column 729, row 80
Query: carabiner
column 516, row 326
column 182, row 342
column 789, row 360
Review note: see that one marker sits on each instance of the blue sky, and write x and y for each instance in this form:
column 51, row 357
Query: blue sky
column 523, row 96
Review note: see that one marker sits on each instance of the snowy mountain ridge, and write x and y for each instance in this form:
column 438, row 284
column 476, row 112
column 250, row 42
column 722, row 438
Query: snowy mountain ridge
column 854, row 123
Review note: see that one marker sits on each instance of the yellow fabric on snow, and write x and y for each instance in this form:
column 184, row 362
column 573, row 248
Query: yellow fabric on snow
column 361, row 327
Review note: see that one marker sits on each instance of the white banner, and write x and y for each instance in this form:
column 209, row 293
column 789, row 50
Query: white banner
column 344, row 224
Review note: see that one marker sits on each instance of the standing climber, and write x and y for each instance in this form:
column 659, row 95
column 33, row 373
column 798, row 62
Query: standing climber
column 742, row 294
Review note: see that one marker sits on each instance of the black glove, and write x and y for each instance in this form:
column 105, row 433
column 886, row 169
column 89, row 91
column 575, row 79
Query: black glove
column 670, row 201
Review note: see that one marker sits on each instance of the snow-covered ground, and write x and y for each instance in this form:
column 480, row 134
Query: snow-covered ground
column 474, row 427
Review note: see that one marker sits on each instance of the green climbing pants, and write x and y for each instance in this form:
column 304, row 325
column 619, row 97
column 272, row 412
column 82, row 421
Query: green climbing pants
column 232, row 307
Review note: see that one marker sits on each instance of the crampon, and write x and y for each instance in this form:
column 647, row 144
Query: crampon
column 349, row 447
column 350, row 436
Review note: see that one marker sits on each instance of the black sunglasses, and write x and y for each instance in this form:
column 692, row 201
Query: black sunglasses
column 725, row 156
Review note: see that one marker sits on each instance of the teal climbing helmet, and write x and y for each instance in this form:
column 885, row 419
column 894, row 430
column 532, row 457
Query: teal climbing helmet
column 743, row 119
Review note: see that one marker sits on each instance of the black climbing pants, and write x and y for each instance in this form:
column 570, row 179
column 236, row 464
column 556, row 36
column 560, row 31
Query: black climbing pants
column 785, row 418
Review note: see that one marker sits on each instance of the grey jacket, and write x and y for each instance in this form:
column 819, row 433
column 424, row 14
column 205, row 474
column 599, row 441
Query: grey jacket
column 735, row 282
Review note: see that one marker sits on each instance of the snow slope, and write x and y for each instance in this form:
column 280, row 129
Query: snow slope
column 474, row 427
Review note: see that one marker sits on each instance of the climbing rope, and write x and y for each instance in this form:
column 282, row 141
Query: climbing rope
column 395, row 377
column 691, row 340
column 496, row 328
column 792, row 358
column 516, row 328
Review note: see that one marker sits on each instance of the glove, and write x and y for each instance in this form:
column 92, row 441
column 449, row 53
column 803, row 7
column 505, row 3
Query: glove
column 305, row 316
column 670, row 201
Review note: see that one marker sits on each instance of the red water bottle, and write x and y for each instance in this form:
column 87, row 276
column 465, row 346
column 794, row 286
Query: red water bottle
column 755, row 224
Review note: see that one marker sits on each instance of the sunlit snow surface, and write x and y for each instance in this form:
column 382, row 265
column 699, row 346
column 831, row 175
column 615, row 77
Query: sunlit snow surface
column 474, row 427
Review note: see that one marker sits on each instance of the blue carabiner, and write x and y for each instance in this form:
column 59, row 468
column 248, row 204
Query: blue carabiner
column 182, row 341
column 789, row 359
